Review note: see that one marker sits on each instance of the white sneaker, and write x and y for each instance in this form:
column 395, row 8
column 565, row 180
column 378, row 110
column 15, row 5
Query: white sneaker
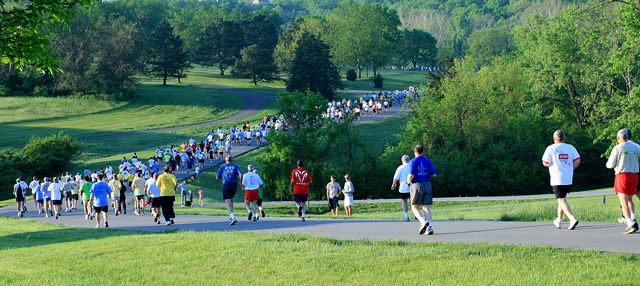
column 621, row 220
column 558, row 223
column 86, row 217
column 168, row 223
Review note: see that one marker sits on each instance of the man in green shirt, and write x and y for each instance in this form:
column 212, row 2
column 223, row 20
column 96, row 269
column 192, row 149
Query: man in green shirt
column 85, row 191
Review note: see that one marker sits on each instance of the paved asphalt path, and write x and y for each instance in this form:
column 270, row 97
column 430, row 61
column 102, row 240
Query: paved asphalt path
column 602, row 236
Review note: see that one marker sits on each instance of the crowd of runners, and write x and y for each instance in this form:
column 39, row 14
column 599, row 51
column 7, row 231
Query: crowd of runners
column 155, row 188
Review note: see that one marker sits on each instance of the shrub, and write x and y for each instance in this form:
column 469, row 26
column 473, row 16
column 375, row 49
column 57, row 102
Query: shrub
column 51, row 154
column 377, row 80
column 351, row 75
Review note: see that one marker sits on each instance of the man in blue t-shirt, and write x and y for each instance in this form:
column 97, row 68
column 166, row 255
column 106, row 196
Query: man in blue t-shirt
column 100, row 195
column 419, row 179
column 229, row 173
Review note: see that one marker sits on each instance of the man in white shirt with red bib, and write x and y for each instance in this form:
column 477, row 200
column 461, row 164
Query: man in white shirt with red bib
column 562, row 159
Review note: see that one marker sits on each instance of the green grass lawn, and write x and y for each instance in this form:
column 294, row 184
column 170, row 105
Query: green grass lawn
column 211, row 76
column 16, row 109
column 392, row 80
column 155, row 106
column 587, row 209
column 113, row 257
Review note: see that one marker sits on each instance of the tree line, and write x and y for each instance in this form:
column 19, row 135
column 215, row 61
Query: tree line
column 101, row 50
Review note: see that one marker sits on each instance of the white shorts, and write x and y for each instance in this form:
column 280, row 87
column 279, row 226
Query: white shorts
column 348, row 200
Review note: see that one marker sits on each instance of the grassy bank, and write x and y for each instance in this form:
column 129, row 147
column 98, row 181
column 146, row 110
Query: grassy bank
column 111, row 257
column 155, row 106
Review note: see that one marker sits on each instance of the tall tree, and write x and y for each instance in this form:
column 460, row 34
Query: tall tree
column 284, row 52
column 261, row 29
column 23, row 42
column 119, row 56
column 167, row 58
column 221, row 44
column 256, row 64
column 312, row 68
column 363, row 34
column 417, row 47
column 486, row 44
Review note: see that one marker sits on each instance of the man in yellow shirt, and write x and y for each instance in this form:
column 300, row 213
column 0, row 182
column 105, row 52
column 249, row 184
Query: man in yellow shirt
column 138, row 189
column 115, row 186
column 167, row 183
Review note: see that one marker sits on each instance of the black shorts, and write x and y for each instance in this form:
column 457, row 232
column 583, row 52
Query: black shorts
column 561, row 191
column 57, row 202
column 155, row 202
column 259, row 202
column 75, row 196
column 19, row 198
column 140, row 197
column 300, row 198
column 229, row 191
column 40, row 201
column 101, row 209
column 405, row 196
column 333, row 203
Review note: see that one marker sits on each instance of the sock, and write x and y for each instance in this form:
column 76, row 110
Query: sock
column 304, row 210
column 232, row 215
column 629, row 222
column 406, row 214
column 572, row 218
column 422, row 220
column 260, row 208
column 297, row 205
column 633, row 216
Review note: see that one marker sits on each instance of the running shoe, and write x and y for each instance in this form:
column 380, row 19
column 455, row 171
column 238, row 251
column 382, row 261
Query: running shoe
column 117, row 213
column 168, row 223
column 250, row 216
column 635, row 225
column 86, row 217
column 50, row 212
column 106, row 224
column 621, row 220
column 423, row 228
column 142, row 213
column 406, row 219
column 629, row 229
column 232, row 221
column 155, row 218
column 172, row 222
column 136, row 212
column 558, row 223
column 302, row 219
column 255, row 218
column 429, row 230
column 57, row 216
column 262, row 211
column 300, row 211
column 572, row 225
column 19, row 214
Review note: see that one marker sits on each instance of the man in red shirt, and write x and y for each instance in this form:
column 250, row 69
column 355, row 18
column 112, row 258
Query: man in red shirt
column 300, row 180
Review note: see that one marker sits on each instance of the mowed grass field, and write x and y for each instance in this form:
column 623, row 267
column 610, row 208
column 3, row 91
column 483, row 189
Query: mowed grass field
column 392, row 80
column 155, row 106
column 16, row 109
column 34, row 253
column 211, row 75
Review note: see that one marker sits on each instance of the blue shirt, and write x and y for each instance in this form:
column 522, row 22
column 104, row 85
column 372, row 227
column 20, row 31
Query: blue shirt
column 47, row 193
column 39, row 194
column 100, row 191
column 229, row 173
column 421, row 168
column 154, row 167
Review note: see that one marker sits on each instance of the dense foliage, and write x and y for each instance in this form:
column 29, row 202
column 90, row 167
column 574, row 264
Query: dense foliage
column 40, row 157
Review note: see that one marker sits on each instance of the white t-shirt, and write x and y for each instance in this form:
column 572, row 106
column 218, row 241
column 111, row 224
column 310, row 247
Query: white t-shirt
column 560, row 157
column 333, row 188
column 152, row 188
column 401, row 175
column 251, row 181
column 55, row 189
